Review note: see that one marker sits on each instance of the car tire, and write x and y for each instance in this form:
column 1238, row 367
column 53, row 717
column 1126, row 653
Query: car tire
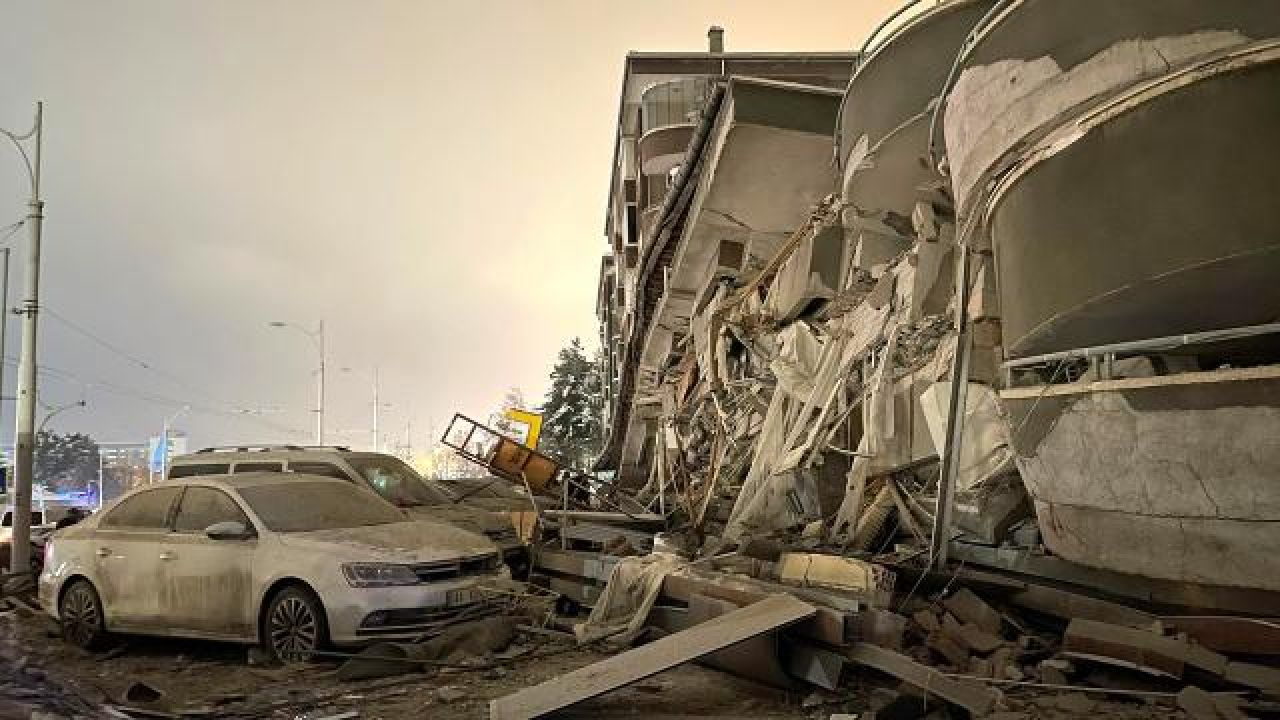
column 81, row 616
column 293, row 626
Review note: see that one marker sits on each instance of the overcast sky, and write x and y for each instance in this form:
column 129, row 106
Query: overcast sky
column 428, row 177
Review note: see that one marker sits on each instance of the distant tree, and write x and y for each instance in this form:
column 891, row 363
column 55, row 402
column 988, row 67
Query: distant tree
column 571, row 427
column 65, row 462
column 498, row 419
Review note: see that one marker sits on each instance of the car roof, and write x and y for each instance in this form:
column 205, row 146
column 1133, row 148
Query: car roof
column 255, row 479
column 213, row 456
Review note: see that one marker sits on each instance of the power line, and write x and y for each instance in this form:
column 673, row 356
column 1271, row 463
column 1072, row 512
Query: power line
column 154, row 398
column 230, row 409
column 135, row 360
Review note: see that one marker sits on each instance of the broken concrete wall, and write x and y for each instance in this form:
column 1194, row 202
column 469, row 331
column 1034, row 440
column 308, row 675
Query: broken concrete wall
column 1165, row 477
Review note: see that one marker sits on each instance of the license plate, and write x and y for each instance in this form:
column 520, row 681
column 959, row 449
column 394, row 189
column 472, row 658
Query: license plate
column 465, row 596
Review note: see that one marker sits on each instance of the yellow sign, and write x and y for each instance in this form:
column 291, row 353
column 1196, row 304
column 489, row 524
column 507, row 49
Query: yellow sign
column 531, row 420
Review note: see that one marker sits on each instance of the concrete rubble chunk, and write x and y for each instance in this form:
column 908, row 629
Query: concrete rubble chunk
column 927, row 620
column 972, row 609
column 871, row 581
column 953, row 651
column 979, row 640
column 1262, row 677
column 883, row 628
column 1139, row 648
column 976, row 698
column 1202, row 705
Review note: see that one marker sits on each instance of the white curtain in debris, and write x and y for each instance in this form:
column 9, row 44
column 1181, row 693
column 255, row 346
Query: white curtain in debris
column 984, row 449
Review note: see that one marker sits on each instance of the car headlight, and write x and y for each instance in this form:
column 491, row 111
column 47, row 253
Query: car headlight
column 378, row 575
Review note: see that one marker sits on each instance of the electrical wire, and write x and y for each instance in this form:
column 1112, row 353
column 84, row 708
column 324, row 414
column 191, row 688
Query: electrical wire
column 227, row 409
column 135, row 360
column 60, row 375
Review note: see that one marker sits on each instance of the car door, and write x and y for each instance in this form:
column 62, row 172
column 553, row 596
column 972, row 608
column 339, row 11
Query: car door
column 208, row 588
column 127, row 548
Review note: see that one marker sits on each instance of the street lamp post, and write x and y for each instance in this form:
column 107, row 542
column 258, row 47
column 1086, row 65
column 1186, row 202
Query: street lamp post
column 24, row 440
column 52, row 413
column 377, row 406
column 57, row 411
column 317, row 337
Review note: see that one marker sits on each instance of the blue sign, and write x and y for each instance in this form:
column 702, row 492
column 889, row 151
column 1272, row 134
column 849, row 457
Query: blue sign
column 158, row 452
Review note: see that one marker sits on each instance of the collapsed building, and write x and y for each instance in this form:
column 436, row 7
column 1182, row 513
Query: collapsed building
column 1006, row 296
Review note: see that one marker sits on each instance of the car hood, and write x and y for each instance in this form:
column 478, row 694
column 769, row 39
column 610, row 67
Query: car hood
column 472, row 519
column 402, row 542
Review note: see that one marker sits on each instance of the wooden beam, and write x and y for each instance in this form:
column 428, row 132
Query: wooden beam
column 771, row 613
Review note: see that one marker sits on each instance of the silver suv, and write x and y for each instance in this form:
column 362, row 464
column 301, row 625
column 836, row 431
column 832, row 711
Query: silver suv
column 388, row 476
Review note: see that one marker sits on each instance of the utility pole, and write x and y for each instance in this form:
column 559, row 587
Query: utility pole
column 24, row 437
column 320, row 391
column 317, row 337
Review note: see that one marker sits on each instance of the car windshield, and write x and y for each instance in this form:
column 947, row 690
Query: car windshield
column 397, row 482
column 304, row 506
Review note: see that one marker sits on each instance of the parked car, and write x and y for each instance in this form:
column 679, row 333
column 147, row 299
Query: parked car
column 40, row 529
column 388, row 476
column 293, row 561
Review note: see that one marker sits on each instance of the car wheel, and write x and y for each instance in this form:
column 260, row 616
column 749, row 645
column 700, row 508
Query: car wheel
column 295, row 626
column 80, row 611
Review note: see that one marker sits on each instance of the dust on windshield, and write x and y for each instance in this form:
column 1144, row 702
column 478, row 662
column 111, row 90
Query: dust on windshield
column 397, row 482
column 304, row 506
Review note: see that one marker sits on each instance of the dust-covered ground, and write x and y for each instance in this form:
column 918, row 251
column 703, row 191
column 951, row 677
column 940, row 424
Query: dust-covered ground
column 214, row 680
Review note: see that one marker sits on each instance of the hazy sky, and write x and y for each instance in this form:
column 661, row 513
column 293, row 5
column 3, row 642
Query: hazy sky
column 428, row 177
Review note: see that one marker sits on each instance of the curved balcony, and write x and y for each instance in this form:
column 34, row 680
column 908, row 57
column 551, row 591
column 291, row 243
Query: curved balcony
column 887, row 102
column 1147, row 215
column 1039, row 59
column 662, row 149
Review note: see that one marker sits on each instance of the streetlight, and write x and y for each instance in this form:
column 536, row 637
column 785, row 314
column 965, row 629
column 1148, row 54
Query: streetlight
column 53, row 412
column 58, row 410
column 317, row 337
column 24, row 437
column 377, row 405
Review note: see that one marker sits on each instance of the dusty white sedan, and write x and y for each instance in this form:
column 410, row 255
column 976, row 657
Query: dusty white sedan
column 291, row 561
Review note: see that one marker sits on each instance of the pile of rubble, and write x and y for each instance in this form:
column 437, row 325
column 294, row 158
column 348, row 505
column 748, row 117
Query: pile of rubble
column 967, row 642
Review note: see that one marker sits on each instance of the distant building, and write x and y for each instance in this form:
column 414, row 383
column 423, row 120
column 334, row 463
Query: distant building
column 125, row 465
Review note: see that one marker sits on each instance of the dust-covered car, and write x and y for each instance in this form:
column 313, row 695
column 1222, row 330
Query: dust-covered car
column 390, row 477
column 290, row 560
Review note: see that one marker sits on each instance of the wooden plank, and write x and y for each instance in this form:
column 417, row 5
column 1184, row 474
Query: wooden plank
column 755, row 658
column 977, row 699
column 771, row 613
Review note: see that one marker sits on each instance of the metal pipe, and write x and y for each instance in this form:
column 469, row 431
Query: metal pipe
column 941, row 536
column 1168, row 342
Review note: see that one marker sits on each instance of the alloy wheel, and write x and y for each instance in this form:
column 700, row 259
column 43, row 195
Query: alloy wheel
column 293, row 629
column 81, row 617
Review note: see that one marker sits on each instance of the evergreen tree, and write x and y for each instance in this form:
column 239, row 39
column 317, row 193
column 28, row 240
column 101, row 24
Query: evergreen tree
column 65, row 462
column 571, row 428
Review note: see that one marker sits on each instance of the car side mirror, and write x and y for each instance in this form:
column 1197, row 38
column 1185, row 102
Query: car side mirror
column 228, row 530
